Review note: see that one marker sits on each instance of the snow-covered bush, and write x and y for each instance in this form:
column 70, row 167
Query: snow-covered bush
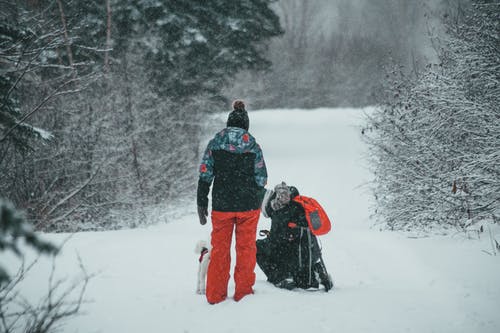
column 435, row 142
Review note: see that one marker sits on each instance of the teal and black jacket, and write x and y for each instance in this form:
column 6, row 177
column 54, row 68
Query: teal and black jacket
column 234, row 162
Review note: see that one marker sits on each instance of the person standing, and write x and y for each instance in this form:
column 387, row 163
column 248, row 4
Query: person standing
column 234, row 162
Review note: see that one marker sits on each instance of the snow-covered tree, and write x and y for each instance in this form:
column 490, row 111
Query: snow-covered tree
column 19, row 48
column 130, row 139
column 435, row 142
column 40, row 71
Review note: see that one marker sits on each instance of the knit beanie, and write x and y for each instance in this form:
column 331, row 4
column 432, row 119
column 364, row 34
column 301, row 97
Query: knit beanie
column 239, row 116
column 282, row 197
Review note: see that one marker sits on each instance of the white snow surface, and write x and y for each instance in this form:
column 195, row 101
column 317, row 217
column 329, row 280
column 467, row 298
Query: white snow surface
column 384, row 281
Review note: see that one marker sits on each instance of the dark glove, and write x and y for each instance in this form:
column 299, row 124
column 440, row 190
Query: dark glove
column 202, row 214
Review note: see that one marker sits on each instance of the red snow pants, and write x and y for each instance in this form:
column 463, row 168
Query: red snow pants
column 223, row 223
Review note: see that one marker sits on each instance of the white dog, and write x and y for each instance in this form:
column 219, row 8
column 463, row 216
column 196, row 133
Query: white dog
column 203, row 249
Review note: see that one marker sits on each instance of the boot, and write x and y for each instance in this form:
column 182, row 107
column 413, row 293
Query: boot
column 286, row 284
column 324, row 278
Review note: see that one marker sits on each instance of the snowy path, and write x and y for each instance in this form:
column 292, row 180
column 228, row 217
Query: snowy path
column 386, row 282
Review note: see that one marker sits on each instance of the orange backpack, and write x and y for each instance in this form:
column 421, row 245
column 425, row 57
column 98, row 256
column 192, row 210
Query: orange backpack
column 316, row 217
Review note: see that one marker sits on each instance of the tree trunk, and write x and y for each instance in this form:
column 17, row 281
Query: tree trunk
column 66, row 36
column 108, row 36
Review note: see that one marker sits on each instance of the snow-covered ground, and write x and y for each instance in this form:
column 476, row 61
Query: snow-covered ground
column 385, row 282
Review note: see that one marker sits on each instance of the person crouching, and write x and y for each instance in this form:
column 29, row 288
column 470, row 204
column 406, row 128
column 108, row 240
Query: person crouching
column 290, row 255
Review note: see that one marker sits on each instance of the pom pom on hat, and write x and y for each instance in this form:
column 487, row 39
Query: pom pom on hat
column 238, row 105
column 239, row 116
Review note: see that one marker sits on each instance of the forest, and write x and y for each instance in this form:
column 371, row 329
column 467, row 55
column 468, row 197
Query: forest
column 104, row 111
column 104, row 102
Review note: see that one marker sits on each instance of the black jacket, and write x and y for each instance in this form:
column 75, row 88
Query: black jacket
column 233, row 161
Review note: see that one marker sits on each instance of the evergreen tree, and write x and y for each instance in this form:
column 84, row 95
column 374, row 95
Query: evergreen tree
column 14, row 228
column 192, row 48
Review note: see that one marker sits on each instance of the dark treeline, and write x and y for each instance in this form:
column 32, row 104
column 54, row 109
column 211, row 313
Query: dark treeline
column 336, row 52
column 102, row 102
